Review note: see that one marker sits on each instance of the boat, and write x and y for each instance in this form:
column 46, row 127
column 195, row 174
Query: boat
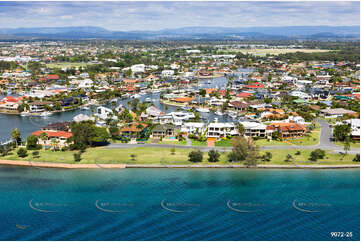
column 209, row 82
column 85, row 108
column 219, row 113
column 114, row 100
column 203, row 110
column 232, row 114
column 136, row 96
column 45, row 114
column 24, row 114
column 127, row 95
column 148, row 100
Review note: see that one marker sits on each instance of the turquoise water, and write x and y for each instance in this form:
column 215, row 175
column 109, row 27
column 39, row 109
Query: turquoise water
column 178, row 204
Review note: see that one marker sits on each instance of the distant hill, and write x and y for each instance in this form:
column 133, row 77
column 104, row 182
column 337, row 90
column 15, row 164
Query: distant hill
column 203, row 33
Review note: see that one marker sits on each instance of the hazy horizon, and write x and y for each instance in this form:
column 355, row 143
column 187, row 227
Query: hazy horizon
column 142, row 16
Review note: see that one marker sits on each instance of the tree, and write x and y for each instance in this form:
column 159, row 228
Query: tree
column 317, row 154
column 241, row 129
column 15, row 134
column 133, row 156
column 195, row 156
column 267, row 157
column 244, row 149
column 22, row 152
column 347, row 145
column 77, row 157
column 32, row 142
column 213, row 156
column 340, row 132
column 54, row 143
column 356, row 158
column 35, row 154
column 172, row 151
column 288, row 158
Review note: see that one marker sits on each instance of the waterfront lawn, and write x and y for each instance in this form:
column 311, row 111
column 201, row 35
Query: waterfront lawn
column 224, row 143
column 279, row 156
column 355, row 144
column 163, row 156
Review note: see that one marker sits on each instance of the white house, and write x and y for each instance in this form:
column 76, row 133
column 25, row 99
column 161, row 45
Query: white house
column 220, row 130
column 104, row 113
column 167, row 73
column 193, row 128
column 254, row 129
column 300, row 94
column 139, row 68
column 86, row 83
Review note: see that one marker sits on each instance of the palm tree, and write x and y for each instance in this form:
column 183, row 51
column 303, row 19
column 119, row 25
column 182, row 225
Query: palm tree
column 44, row 136
column 53, row 143
column 241, row 129
column 15, row 134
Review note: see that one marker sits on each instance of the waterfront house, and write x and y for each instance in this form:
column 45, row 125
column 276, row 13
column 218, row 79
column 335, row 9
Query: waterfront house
column 197, row 128
column 287, row 130
column 132, row 130
column 254, row 128
column 60, row 138
column 220, row 130
column 163, row 131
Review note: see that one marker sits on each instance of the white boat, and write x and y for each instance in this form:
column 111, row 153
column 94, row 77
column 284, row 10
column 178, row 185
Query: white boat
column 45, row 114
column 148, row 100
column 85, row 108
column 24, row 114
column 203, row 110
column 135, row 96
column 219, row 113
column 209, row 82
column 232, row 114
column 114, row 100
column 156, row 91
column 127, row 95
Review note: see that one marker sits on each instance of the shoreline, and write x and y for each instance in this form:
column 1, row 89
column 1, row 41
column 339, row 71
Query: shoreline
column 123, row 166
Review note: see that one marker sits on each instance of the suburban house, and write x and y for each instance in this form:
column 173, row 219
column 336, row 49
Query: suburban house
column 287, row 130
column 133, row 130
column 254, row 129
column 38, row 107
column 163, row 131
column 336, row 112
column 193, row 128
column 53, row 138
column 220, row 130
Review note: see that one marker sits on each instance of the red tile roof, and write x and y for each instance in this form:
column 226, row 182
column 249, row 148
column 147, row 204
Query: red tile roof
column 53, row 134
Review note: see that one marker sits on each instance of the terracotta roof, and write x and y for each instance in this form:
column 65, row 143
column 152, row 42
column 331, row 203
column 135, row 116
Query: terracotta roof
column 184, row 99
column 52, row 77
column 132, row 128
column 53, row 134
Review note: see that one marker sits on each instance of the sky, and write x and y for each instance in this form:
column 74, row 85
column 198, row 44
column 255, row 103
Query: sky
column 125, row 16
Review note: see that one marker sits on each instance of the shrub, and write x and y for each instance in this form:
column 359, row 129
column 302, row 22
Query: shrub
column 357, row 158
column 267, row 157
column 195, row 156
column 35, row 154
column 317, row 154
column 22, row 152
column 172, row 151
column 132, row 156
column 213, row 156
column 298, row 152
column 288, row 158
column 32, row 142
column 77, row 157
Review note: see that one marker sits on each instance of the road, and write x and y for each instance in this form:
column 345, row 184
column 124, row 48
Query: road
column 325, row 144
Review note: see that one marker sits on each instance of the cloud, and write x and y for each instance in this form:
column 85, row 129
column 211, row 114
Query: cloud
column 160, row 15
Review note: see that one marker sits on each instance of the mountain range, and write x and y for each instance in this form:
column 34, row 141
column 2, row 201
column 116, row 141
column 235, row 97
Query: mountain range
column 188, row 33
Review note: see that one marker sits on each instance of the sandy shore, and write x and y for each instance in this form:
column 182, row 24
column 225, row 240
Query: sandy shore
column 122, row 166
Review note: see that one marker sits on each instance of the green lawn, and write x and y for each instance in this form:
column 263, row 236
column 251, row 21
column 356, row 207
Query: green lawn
column 198, row 143
column 224, row 143
column 352, row 145
column 153, row 155
column 175, row 142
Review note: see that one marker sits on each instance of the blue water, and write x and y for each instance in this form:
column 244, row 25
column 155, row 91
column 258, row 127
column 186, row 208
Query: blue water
column 178, row 204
